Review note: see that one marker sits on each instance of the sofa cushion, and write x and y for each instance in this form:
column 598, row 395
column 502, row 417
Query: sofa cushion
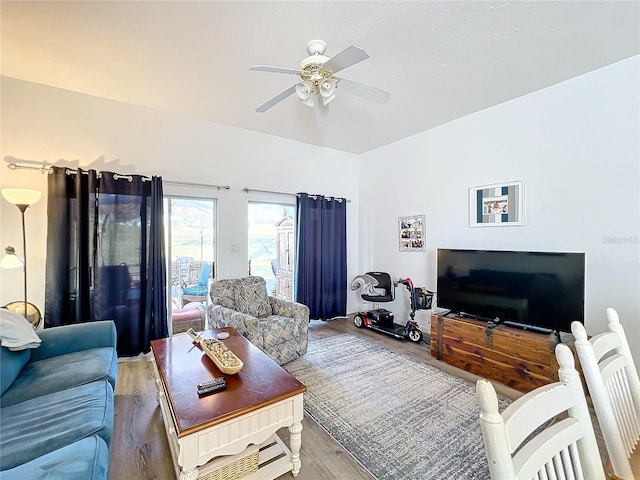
column 200, row 290
column 86, row 459
column 16, row 333
column 75, row 338
column 284, row 339
column 252, row 297
column 11, row 364
column 223, row 292
column 64, row 371
column 277, row 330
column 44, row 424
column 205, row 274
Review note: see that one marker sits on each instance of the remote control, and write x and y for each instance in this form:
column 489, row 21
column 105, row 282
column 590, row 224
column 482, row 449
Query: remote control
column 212, row 389
column 210, row 383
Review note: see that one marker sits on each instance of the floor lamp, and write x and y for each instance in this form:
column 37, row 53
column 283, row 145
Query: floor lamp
column 22, row 198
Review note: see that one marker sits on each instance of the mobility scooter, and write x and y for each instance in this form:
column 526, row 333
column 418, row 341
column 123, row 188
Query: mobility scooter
column 377, row 287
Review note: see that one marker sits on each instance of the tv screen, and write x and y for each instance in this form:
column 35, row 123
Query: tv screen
column 538, row 290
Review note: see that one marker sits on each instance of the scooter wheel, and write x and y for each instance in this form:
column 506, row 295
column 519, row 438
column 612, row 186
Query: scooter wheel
column 415, row 335
column 358, row 321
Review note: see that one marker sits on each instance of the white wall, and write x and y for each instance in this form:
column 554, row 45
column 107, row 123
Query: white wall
column 576, row 147
column 60, row 127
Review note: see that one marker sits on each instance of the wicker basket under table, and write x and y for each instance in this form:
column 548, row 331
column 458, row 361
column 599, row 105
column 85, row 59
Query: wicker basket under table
column 234, row 467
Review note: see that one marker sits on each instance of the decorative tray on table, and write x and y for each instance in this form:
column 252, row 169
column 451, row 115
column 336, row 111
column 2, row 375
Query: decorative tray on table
column 224, row 358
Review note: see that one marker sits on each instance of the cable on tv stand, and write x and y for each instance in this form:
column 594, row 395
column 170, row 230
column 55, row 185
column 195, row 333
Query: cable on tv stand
column 526, row 326
column 493, row 322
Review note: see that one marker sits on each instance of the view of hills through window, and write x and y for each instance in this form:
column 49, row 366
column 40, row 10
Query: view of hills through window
column 264, row 219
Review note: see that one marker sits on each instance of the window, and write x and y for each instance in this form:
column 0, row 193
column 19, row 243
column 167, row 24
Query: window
column 191, row 249
column 272, row 246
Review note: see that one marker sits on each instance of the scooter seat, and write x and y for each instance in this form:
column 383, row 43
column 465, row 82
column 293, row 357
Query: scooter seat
column 377, row 298
column 383, row 288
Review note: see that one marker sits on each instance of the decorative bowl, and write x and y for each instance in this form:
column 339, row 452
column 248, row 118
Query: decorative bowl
column 224, row 358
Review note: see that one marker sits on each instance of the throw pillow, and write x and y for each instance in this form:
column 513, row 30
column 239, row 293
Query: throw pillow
column 16, row 333
column 252, row 298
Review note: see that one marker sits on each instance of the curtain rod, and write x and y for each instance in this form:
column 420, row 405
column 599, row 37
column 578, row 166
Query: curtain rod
column 247, row 190
column 48, row 169
column 203, row 185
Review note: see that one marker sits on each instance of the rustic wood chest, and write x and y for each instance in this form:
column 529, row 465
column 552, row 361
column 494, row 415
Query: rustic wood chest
column 520, row 359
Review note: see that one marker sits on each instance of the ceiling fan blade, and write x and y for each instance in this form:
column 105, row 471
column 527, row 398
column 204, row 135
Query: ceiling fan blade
column 365, row 91
column 322, row 111
column 277, row 99
column 349, row 56
column 273, row 69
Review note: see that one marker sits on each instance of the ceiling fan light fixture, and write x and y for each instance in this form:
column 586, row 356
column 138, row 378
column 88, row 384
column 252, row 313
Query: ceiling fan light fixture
column 326, row 100
column 318, row 83
column 327, row 90
column 304, row 90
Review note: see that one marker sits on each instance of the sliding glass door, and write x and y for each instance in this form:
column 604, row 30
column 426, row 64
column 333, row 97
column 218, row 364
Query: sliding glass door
column 272, row 246
column 190, row 226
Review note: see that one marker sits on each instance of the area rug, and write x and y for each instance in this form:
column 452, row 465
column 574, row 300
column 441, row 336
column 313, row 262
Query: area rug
column 399, row 418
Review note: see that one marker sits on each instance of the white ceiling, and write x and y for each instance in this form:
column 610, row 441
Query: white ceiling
column 439, row 60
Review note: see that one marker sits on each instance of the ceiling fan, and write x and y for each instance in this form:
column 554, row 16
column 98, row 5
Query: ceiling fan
column 318, row 80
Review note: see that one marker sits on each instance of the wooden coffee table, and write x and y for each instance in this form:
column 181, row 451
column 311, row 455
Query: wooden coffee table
column 221, row 432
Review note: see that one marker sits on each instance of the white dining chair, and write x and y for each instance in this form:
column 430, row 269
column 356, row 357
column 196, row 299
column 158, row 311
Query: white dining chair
column 545, row 434
column 614, row 388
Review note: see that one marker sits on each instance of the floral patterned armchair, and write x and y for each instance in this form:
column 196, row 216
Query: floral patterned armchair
column 277, row 327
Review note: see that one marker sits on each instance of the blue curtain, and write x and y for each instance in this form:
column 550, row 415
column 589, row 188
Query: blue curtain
column 105, row 254
column 321, row 259
column 156, row 291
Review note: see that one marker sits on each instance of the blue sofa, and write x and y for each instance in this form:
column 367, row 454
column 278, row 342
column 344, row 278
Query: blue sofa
column 57, row 404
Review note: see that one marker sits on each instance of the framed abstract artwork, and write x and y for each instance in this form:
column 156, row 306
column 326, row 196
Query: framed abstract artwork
column 496, row 205
column 411, row 232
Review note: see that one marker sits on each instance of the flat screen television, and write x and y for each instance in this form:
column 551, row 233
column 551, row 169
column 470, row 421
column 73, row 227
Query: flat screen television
column 535, row 290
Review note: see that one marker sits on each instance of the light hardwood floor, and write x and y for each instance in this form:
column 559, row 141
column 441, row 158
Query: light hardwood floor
column 139, row 448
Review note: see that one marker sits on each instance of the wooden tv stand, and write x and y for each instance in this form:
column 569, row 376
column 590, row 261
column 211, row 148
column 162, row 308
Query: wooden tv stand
column 520, row 359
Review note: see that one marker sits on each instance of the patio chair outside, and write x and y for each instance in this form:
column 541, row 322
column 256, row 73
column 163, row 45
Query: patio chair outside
column 195, row 287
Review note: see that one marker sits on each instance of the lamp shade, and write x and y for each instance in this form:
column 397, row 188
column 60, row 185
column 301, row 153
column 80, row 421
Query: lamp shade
column 21, row 196
column 327, row 90
column 304, row 90
column 11, row 260
column 327, row 87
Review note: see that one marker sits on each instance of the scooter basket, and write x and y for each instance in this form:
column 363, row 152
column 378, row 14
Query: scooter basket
column 423, row 299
